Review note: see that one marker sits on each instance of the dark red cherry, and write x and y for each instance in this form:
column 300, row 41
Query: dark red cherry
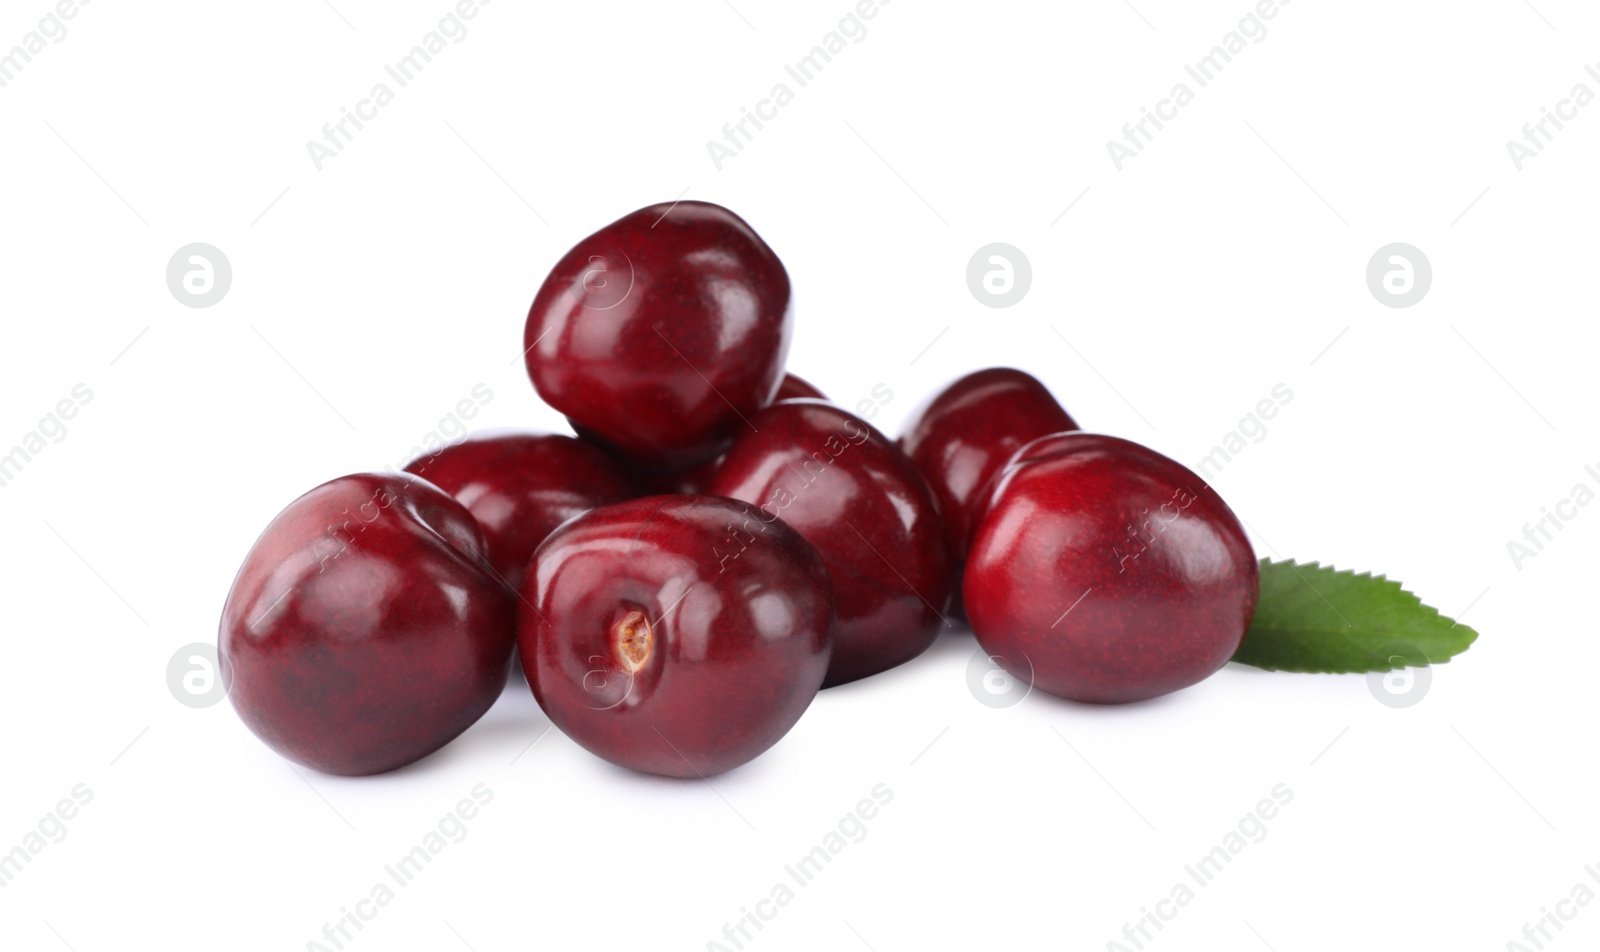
column 1106, row 572
column 662, row 332
column 961, row 437
column 364, row 630
column 856, row 497
column 659, row 641
column 520, row 486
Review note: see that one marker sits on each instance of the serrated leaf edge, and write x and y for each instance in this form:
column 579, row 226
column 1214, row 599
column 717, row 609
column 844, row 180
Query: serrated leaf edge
column 1400, row 586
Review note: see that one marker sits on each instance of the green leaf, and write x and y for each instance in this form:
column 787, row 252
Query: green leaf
column 1319, row 619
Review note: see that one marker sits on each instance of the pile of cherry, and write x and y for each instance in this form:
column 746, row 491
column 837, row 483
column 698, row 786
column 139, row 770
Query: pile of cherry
column 719, row 541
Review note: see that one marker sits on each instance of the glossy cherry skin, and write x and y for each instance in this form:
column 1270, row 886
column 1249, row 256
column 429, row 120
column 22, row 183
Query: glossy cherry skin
column 963, row 435
column 658, row 332
column 1106, row 572
column 855, row 496
column 520, row 486
column 663, row 639
column 364, row 631
column 796, row 388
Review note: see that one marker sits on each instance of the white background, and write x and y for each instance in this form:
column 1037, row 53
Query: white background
column 369, row 297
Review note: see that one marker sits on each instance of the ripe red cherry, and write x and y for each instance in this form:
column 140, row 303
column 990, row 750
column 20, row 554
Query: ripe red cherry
column 847, row 489
column 659, row 332
column 795, row 388
column 965, row 433
column 1106, row 572
column 651, row 639
column 520, row 486
column 364, row 631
